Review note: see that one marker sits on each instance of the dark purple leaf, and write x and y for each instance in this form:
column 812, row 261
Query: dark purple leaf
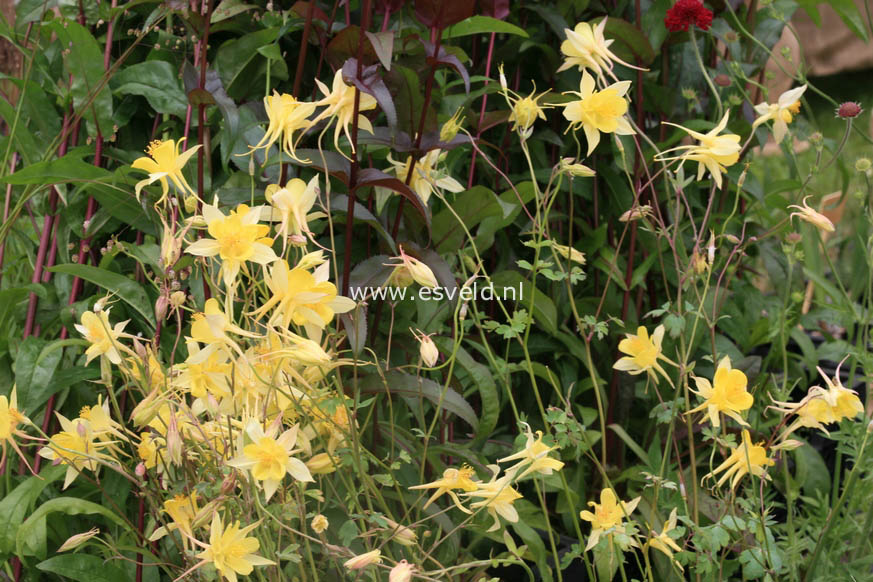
column 494, row 8
column 338, row 166
column 371, row 83
column 442, row 13
column 344, row 46
column 447, row 59
column 374, row 177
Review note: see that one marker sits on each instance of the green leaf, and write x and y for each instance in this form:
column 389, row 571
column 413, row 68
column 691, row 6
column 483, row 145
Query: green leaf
column 544, row 310
column 234, row 57
column 34, row 372
column 339, row 205
column 69, row 168
column 27, row 540
column 413, row 388
column 489, row 397
column 229, row 8
column 84, row 63
column 127, row 289
column 121, row 204
column 158, row 82
column 472, row 207
column 16, row 503
column 83, row 568
column 631, row 443
column 479, row 24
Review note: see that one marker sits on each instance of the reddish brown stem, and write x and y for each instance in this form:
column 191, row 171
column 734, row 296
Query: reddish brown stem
column 304, row 45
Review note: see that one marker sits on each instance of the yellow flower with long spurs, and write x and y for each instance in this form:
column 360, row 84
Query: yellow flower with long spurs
column 291, row 205
column 211, row 328
column 339, row 103
column 230, row 550
column 164, row 161
column 269, row 457
column 815, row 218
column 744, row 459
column 498, row 497
column 587, row 48
column 534, row 457
column 643, row 353
column 598, row 112
column 714, row 152
column 524, row 111
column 75, row 447
column 425, row 177
column 781, row 113
column 727, row 394
column 236, row 238
column 286, row 116
column 608, row 516
column 102, row 335
column 452, row 479
column 10, row 418
column 182, row 510
column 822, row 406
column 664, row 543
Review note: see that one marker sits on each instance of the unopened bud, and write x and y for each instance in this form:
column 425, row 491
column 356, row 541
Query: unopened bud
column 161, row 306
column 402, row 572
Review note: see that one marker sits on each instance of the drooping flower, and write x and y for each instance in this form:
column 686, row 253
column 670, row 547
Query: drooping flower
column 636, row 213
column 339, row 103
column 587, row 48
column 744, row 458
column 575, row 169
column 269, row 457
column 291, row 205
column 427, row 350
column 608, row 516
column 727, row 394
column 402, row 572
column 643, row 353
column 498, row 497
column 236, row 238
column 410, row 270
column 363, row 560
column 286, row 116
column 426, row 177
column 714, row 152
column 230, row 551
column 821, row 406
column 452, row 479
column 687, row 13
column 598, row 112
column 815, row 218
column 782, row 112
column 663, row 542
column 10, row 418
column 534, row 457
column 450, row 128
column 570, row 253
column 102, row 335
column 164, row 161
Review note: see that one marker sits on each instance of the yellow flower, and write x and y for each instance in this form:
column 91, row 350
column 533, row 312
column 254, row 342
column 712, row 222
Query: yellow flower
column 782, row 112
column 206, row 377
column 10, row 418
column 643, row 353
column 230, row 551
column 427, row 350
column 291, row 205
column 75, row 447
column 497, row 498
column 450, row 128
column 182, row 510
column 321, row 464
column 339, row 103
column 534, row 456
column 286, row 115
column 425, row 178
column 575, row 169
column 303, row 298
column 608, row 515
column 236, row 238
column 809, row 215
column 714, row 152
column 726, row 394
column 586, row 48
column 103, row 337
column 452, row 479
column 402, row 572
column 319, row 523
column 269, row 457
column 636, row 213
column 362, row 561
column 524, row 111
column 570, row 253
column 598, row 112
column 211, row 328
column 745, row 458
column 822, row 406
column 164, row 161
column 410, row 270
column 663, row 542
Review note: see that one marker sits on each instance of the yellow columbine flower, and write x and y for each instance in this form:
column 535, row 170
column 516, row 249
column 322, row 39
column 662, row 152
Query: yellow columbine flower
column 10, row 418
column 450, row 128
column 782, row 112
column 230, row 551
column 745, row 458
column 726, row 394
column 164, row 161
column 363, row 560
column 182, row 510
column 822, row 406
column 75, row 447
column 291, row 206
column 287, row 115
column 497, row 498
column 302, row 298
column 598, row 112
column 410, row 270
column 714, row 152
column 236, row 238
column 103, row 337
column 524, row 111
column 339, row 103
column 425, row 177
column 452, row 479
column 643, row 353
column 587, row 48
column 811, row 216
column 663, row 542
column 608, row 516
column 206, row 377
column 534, row 456
column 319, row 523
column 269, row 457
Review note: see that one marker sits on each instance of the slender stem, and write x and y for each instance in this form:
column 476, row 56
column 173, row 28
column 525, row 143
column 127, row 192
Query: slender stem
column 706, row 73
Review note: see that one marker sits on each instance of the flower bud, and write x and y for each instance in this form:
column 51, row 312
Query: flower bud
column 636, row 213
column 578, row 170
column 451, row 127
column 319, row 523
column 177, row 299
column 401, row 534
column 362, row 561
column 402, row 572
column 848, row 110
column 78, row 539
column 321, row 464
column 161, row 307
column 140, row 470
column 570, row 253
column 427, row 350
column 190, row 204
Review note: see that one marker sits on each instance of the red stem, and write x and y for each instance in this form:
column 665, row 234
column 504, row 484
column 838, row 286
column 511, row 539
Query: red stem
column 6, row 206
column 304, row 45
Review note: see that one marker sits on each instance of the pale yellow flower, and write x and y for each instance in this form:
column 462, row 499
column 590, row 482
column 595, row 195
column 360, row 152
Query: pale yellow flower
column 608, row 516
column 714, row 152
column 643, row 353
column 286, row 116
column 745, row 458
column 74, row 446
column 663, row 542
column 164, row 161
column 462, row 479
column 269, row 457
column 782, row 112
column 426, row 177
column 230, row 551
column 811, row 216
column 402, row 572
column 319, row 523
column 498, row 497
column 339, row 103
column 102, row 335
column 587, row 48
column 363, row 560
column 598, row 112
column 534, row 457
column 10, row 418
column 727, row 394
column 291, row 206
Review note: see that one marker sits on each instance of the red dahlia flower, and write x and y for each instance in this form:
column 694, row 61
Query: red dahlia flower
column 687, row 13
